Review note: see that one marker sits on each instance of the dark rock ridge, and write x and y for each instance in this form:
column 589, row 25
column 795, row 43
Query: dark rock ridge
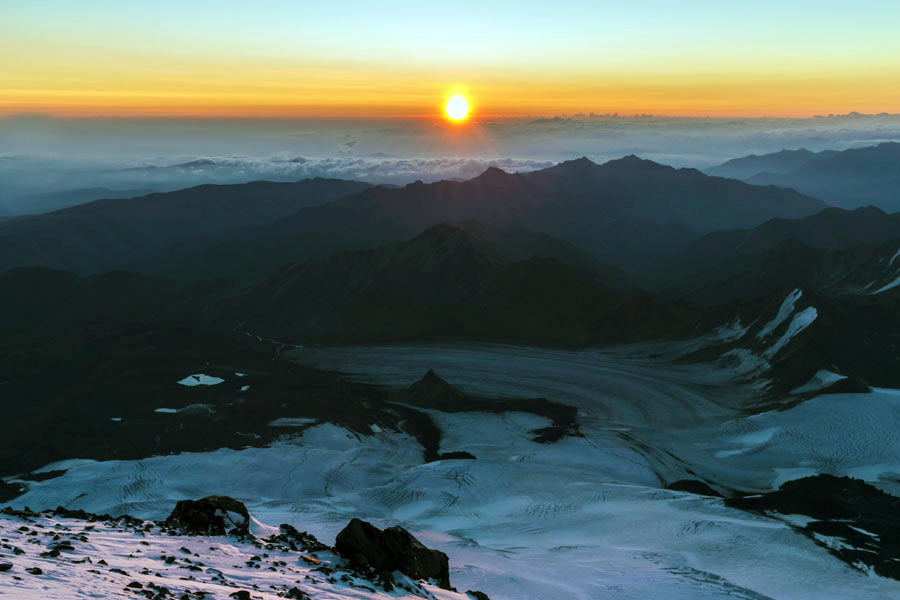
column 393, row 549
column 852, row 336
column 865, row 520
column 213, row 515
column 434, row 393
column 835, row 251
column 693, row 486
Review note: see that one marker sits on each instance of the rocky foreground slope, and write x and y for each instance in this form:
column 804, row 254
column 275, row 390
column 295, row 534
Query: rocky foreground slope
column 211, row 548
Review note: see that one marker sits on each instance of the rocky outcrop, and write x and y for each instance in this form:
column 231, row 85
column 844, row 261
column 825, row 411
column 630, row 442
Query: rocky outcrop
column 855, row 521
column 693, row 486
column 393, row 549
column 213, row 515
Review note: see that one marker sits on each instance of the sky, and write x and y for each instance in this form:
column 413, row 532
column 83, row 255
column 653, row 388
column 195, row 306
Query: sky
column 355, row 59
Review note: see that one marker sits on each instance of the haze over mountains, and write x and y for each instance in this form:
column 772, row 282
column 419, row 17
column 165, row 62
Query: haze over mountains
column 848, row 179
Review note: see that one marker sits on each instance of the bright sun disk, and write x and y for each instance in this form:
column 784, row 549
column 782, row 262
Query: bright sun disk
column 457, row 108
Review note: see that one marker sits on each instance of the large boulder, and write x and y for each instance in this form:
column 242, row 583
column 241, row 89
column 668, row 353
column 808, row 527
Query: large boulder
column 213, row 515
column 393, row 549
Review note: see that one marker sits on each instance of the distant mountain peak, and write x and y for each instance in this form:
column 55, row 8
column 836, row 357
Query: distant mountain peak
column 578, row 163
column 572, row 167
column 493, row 173
column 632, row 163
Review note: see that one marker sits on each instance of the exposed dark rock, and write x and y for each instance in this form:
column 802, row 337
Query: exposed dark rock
column 296, row 540
column 693, row 486
column 213, row 515
column 850, row 385
column 866, row 519
column 8, row 491
column 457, row 455
column 241, row 595
column 434, row 393
column 478, row 595
column 46, row 475
column 34, row 571
column 433, row 390
column 393, row 549
column 5, row 567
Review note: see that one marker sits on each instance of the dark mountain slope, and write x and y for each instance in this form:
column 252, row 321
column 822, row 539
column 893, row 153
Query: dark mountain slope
column 729, row 265
column 448, row 282
column 42, row 203
column 108, row 234
column 787, row 339
column 634, row 189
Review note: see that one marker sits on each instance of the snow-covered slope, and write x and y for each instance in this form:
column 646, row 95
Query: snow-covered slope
column 53, row 557
column 583, row 518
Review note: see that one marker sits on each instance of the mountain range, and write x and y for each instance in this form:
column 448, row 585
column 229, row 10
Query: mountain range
column 848, row 179
column 612, row 210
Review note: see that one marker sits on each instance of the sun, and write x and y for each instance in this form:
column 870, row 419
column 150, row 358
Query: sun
column 457, row 108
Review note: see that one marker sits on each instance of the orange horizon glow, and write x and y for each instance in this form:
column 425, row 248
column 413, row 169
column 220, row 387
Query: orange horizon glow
column 135, row 86
column 98, row 58
column 398, row 97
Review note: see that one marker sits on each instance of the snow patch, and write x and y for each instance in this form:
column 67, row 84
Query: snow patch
column 731, row 332
column 743, row 362
column 787, row 307
column 894, row 257
column 887, row 287
column 821, row 380
column 801, row 321
column 200, row 379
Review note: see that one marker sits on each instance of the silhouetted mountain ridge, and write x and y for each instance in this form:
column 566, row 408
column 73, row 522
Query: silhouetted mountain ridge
column 113, row 233
column 446, row 282
column 611, row 210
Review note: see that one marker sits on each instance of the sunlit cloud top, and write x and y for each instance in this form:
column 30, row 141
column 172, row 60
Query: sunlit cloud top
column 393, row 59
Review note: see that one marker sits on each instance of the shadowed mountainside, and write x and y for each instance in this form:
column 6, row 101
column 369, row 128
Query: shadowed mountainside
column 449, row 282
column 110, row 234
column 835, row 250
